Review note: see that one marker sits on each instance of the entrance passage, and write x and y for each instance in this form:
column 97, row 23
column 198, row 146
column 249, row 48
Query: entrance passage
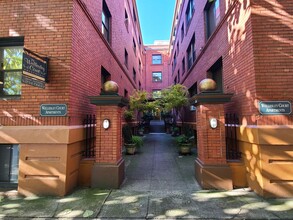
column 157, row 126
column 158, row 167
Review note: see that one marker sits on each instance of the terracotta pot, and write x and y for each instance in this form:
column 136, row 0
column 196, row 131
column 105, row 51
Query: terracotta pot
column 185, row 148
column 130, row 148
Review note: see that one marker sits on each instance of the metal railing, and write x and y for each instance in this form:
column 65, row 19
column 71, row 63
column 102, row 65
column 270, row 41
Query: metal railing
column 232, row 149
column 90, row 136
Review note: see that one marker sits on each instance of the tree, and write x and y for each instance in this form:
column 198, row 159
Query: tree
column 174, row 97
column 138, row 101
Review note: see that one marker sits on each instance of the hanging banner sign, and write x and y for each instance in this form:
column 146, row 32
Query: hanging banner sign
column 275, row 107
column 35, row 69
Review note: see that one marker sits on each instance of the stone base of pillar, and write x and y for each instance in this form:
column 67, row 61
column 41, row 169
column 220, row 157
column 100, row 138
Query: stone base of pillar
column 108, row 176
column 218, row 176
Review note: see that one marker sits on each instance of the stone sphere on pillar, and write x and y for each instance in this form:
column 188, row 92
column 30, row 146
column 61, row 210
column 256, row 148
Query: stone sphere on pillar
column 207, row 85
column 110, row 87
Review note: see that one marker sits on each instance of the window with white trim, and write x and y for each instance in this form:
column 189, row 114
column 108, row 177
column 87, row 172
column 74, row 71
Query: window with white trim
column 11, row 53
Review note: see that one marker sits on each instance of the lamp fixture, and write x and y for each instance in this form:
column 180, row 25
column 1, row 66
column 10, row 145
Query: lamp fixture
column 213, row 123
column 106, row 124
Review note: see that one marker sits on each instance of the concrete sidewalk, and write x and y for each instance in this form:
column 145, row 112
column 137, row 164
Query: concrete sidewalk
column 159, row 184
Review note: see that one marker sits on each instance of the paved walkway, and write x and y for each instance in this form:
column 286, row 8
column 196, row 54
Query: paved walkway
column 159, row 184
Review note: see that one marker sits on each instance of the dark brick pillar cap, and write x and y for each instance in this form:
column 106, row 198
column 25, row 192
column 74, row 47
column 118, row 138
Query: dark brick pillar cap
column 210, row 98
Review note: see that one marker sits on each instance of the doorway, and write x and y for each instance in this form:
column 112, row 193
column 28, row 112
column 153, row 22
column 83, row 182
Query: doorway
column 9, row 163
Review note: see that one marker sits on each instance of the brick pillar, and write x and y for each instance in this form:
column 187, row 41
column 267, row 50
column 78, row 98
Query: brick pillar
column 211, row 168
column 211, row 142
column 108, row 141
column 108, row 170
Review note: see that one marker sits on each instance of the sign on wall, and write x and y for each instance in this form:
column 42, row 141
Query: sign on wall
column 53, row 110
column 34, row 69
column 275, row 107
column 33, row 82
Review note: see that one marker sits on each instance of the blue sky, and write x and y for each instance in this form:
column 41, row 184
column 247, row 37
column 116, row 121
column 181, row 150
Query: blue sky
column 155, row 18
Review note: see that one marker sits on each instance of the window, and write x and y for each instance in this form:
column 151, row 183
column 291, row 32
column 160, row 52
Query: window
column 125, row 58
column 177, row 47
column 139, row 65
column 105, row 75
column 193, row 89
column 174, row 61
column 126, row 21
column 191, row 52
column 11, row 52
column 189, row 11
column 157, row 93
column 212, row 13
column 183, row 66
column 215, row 73
column 9, row 158
column 134, row 46
column 139, row 85
column 157, row 76
column 174, row 32
column 106, row 16
column 134, row 75
column 156, row 59
column 182, row 32
column 175, row 80
column 125, row 93
column 178, row 76
column 134, row 15
column 139, row 41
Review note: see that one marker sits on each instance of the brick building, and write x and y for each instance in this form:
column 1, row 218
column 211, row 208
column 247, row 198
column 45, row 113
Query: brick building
column 245, row 47
column 85, row 44
column 156, row 67
column 75, row 46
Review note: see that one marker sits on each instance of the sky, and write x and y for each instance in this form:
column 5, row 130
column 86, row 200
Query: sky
column 156, row 17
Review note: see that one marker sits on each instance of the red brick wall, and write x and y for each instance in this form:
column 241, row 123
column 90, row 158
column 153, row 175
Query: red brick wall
column 253, row 40
column 68, row 32
column 272, row 26
column 47, row 30
column 91, row 52
column 231, row 41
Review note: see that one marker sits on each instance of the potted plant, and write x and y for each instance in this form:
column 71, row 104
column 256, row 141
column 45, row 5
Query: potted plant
column 175, row 131
column 129, row 145
column 184, row 144
column 137, row 140
column 128, row 115
column 185, row 140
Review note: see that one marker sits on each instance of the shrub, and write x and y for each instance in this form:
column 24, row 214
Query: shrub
column 137, row 141
column 182, row 139
column 128, row 115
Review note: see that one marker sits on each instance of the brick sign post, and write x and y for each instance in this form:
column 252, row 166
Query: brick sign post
column 211, row 168
column 108, row 170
